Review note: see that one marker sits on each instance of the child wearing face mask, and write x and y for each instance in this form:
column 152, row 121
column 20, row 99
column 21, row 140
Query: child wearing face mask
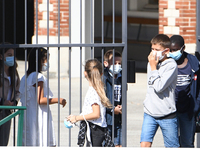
column 35, row 123
column 114, row 71
column 187, row 90
column 159, row 104
column 9, row 89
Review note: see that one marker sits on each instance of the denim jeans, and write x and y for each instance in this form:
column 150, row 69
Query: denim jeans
column 168, row 127
column 186, row 130
column 117, row 133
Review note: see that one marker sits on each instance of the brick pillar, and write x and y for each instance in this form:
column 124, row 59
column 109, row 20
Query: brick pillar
column 53, row 17
column 53, row 32
column 179, row 17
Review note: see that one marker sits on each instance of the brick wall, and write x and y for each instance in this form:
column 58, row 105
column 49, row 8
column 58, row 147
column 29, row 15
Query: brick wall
column 53, row 17
column 178, row 17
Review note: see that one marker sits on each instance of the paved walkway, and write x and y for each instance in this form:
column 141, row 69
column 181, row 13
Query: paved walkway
column 135, row 96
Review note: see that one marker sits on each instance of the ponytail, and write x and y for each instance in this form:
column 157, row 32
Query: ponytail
column 94, row 70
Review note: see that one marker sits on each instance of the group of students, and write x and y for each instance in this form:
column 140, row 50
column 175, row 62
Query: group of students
column 171, row 103
column 173, row 93
column 97, row 105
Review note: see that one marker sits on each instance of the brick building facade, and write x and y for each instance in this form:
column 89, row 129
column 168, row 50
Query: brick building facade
column 175, row 17
column 179, row 17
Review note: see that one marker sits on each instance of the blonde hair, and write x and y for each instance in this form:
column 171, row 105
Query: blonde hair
column 94, row 70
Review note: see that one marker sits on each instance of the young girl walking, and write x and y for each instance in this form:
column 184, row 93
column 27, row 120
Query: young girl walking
column 95, row 103
column 9, row 89
column 35, row 129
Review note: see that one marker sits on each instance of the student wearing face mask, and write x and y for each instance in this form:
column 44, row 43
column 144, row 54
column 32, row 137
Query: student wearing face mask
column 9, row 89
column 35, row 123
column 187, row 90
column 114, row 71
column 159, row 104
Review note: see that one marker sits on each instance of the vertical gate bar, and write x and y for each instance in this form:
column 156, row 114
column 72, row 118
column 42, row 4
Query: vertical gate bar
column 3, row 21
column 25, row 116
column 37, row 128
column 36, row 98
column 36, row 13
column 25, row 41
column 198, row 49
column 14, row 36
column 113, row 22
column 113, row 101
column 102, row 33
column 102, row 22
column 113, row 40
column 69, row 68
column 80, row 56
column 91, row 23
column 198, row 26
column 124, row 74
column 3, row 18
column 58, row 74
column 48, row 73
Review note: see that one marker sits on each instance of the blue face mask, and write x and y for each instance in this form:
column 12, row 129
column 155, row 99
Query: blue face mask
column 9, row 61
column 176, row 55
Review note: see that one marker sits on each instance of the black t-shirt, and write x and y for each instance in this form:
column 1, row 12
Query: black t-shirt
column 182, row 90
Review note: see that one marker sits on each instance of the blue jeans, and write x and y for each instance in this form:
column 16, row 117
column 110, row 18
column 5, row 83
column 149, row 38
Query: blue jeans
column 117, row 133
column 168, row 127
column 186, row 130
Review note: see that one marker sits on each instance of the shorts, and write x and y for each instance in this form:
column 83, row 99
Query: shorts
column 117, row 133
column 168, row 127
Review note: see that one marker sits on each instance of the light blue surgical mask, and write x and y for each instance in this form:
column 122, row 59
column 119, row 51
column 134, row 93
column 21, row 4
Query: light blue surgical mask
column 9, row 61
column 177, row 54
column 117, row 69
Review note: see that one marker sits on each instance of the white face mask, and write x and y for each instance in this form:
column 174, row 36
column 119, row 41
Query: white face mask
column 44, row 67
column 117, row 69
column 159, row 54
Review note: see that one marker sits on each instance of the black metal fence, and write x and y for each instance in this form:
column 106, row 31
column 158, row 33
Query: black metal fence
column 26, row 46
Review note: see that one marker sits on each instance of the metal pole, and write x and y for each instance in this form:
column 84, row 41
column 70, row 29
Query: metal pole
column 58, row 73
column 124, row 73
column 80, row 56
column 197, row 26
column 69, row 69
column 91, row 24
column 198, row 49
column 37, row 142
column 48, row 139
column 14, row 36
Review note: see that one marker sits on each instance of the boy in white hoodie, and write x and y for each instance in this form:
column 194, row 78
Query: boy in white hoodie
column 159, row 104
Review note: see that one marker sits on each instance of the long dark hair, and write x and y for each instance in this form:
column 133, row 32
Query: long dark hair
column 42, row 55
column 12, row 70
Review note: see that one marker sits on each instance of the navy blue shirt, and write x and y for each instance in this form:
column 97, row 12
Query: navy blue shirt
column 182, row 90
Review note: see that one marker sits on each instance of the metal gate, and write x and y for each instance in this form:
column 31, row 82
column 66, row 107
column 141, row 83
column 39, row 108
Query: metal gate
column 89, row 47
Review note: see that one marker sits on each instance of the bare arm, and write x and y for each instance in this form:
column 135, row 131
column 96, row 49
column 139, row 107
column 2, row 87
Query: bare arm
column 43, row 100
column 94, row 115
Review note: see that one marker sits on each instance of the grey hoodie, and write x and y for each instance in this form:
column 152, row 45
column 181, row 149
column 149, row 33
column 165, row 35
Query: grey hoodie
column 160, row 97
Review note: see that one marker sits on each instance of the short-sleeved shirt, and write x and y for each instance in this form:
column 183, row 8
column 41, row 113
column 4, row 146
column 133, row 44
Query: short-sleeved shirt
column 36, row 135
column 91, row 98
column 182, row 90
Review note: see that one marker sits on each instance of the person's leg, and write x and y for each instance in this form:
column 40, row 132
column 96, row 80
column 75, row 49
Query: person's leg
column 118, row 135
column 97, row 135
column 187, row 130
column 4, row 129
column 149, row 129
column 169, row 128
